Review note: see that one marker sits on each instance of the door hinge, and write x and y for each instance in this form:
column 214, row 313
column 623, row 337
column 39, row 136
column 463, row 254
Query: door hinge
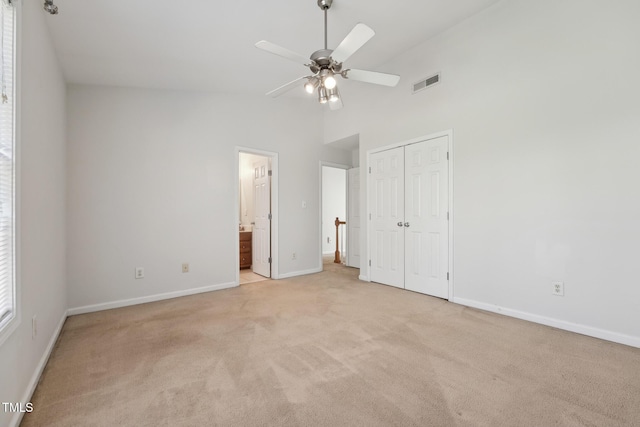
column 270, row 263
column 369, row 263
column 447, row 155
column 447, row 216
column 272, row 217
column 271, row 172
column 447, row 276
column 369, row 169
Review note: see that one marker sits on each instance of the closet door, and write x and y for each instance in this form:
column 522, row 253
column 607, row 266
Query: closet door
column 387, row 217
column 426, row 223
column 409, row 201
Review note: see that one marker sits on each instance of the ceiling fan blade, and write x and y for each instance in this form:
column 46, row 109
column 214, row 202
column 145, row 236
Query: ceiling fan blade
column 283, row 52
column 285, row 88
column 372, row 77
column 354, row 41
column 335, row 105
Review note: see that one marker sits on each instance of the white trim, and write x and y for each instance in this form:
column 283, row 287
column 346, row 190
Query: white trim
column 275, row 266
column 14, row 323
column 150, row 298
column 451, row 214
column 364, row 278
column 320, row 236
column 449, row 134
column 556, row 323
column 35, row 378
column 301, row 273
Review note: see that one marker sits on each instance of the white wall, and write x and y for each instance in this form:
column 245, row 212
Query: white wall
column 41, row 232
column 334, row 204
column 542, row 98
column 151, row 184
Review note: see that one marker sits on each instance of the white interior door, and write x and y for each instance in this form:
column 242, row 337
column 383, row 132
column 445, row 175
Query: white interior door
column 386, row 195
column 409, row 200
column 353, row 219
column 261, row 245
column 426, row 223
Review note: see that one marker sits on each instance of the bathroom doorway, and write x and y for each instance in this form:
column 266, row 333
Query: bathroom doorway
column 256, row 216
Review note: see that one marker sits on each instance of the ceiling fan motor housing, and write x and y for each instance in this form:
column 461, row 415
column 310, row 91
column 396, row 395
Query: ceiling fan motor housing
column 321, row 59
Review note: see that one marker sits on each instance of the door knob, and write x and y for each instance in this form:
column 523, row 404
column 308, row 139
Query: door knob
column 406, row 224
column 400, row 224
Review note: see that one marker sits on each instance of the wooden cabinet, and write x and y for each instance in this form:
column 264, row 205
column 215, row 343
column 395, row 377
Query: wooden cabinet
column 245, row 249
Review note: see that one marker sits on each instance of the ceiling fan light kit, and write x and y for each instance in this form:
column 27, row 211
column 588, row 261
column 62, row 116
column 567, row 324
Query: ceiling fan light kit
column 325, row 64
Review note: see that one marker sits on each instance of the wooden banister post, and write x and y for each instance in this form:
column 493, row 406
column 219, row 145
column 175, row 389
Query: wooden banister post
column 337, row 257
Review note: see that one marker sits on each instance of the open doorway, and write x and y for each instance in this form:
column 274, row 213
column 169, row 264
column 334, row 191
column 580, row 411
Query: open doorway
column 255, row 216
column 334, row 240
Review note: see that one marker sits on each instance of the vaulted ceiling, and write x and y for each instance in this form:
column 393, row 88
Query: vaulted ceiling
column 208, row 45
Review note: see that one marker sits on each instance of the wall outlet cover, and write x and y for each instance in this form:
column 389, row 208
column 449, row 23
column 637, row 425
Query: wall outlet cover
column 557, row 288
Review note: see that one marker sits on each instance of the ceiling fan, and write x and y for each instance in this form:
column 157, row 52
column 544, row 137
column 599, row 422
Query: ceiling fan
column 325, row 64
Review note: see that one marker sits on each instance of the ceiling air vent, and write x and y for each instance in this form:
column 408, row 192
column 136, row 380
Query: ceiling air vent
column 425, row 83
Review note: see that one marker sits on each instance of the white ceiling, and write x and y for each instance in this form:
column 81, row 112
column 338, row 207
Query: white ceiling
column 209, row 44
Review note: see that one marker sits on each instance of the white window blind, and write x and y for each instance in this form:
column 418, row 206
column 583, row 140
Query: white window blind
column 7, row 165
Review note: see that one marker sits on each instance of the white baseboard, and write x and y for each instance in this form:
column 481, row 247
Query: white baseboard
column 364, row 278
column 35, row 378
column 150, row 298
column 300, row 273
column 556, row 323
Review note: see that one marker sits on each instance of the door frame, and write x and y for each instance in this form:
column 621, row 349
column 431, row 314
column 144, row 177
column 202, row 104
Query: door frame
column 337, row 166
column 350, row 235
column 275, row 274
column 367, row 245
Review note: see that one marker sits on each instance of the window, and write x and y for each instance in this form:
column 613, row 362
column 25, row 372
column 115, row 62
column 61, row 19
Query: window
column 7, row 166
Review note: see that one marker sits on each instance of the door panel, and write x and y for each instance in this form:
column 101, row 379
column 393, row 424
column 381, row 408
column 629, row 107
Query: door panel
column 416, row 206
column 427, row 216
column 262, row 228
column 387, row 202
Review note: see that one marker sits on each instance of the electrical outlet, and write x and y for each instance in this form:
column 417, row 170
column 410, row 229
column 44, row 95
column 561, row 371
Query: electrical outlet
column 34, row 327
column 294, row 256
column 139, row 273
column 557, row 289
column 185, row 267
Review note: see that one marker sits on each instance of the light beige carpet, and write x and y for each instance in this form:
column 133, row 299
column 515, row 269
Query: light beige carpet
column 328, row 350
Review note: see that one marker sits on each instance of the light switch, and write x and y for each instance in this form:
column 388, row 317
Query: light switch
column 304, row 204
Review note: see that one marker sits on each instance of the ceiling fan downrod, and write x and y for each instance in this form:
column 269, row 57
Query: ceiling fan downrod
column 325, row 5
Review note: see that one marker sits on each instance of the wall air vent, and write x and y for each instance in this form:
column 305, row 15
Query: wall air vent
column 425, row 83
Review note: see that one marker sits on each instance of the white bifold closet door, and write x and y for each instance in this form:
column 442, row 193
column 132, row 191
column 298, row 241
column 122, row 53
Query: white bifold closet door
column 409, row 224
